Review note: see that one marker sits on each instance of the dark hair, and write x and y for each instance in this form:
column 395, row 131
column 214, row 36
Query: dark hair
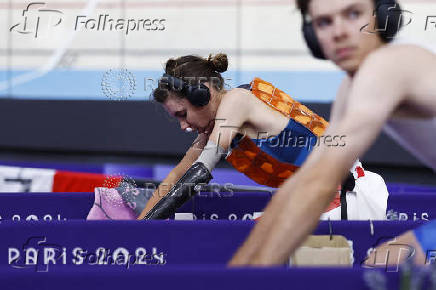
column 303, row 5
column 194, row 67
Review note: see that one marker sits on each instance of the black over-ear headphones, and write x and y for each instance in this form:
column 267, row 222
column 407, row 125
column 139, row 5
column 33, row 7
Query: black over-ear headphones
column 198, row 94
column 389, row 21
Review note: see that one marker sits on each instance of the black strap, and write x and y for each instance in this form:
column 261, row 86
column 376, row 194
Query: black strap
column 245, row 86
column 347, row 185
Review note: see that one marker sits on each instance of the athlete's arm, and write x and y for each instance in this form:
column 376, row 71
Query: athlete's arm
column 294, row 211
column 191, row 155
column 338, row 107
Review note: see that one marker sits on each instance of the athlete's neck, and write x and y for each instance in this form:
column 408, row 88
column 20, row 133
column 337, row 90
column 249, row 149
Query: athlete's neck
column 352, row 72
column 219, row 96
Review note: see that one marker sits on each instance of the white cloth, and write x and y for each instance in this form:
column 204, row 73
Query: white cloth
column 368, row 200
column 17, row 179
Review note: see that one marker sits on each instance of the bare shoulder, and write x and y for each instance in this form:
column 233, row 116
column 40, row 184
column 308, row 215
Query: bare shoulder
column 402, row 71
column 237, row 96
column 234, row 102
column 236, row 99
column 400, row 58
column 392, row 70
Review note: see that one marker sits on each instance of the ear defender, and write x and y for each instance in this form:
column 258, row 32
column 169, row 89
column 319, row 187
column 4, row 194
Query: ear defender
column 311, row 39
column 389, row 21
column 198, row 95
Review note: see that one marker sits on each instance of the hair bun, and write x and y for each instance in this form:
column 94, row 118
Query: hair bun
column 219, row 62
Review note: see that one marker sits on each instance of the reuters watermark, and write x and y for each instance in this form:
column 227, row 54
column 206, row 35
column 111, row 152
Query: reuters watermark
column 208, row 190
column 127, row 186
column 179, row 84
column 120, row 84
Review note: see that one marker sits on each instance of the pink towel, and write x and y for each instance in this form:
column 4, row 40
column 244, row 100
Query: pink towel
column 109, row 204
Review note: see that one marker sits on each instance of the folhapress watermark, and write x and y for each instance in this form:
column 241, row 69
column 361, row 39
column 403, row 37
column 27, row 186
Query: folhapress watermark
column 430, row 23
column 38, row 19
column 104, row 22
column 403, row 18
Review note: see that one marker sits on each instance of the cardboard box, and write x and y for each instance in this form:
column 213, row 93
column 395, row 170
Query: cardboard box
column 323, row 251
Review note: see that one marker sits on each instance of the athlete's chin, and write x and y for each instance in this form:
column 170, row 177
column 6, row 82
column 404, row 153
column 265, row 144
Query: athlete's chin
column 204, row 130
column 208, row 128
column 348, row 65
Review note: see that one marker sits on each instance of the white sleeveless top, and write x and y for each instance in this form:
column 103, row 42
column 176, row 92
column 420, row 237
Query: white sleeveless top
column 416, row 135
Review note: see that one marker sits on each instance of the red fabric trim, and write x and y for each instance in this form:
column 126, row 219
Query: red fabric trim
column 360, row 172
column 65, row 181
column 336, row 202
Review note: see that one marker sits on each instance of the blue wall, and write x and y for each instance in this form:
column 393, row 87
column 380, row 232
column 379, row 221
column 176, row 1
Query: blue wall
column 306, row 86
